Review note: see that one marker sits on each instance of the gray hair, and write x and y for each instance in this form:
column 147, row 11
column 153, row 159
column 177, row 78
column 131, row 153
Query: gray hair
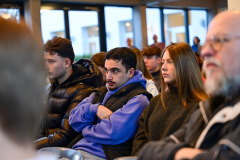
column 21, row 82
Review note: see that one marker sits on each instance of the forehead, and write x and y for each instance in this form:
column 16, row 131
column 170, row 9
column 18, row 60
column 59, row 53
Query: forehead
column 47, row 55
column 150, row 57
column 110, row 63
column 166, row 55
column 224, row 24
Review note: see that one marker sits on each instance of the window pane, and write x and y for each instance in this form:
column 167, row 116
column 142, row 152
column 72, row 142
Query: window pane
column 118, row 26
column 153, row 24
column 52, row 22
column 197, row 25
column 84, row 33
column 13, row 13
column 174, row 27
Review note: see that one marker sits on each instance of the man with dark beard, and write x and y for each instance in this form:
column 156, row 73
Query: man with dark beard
column 108, row 118
column 213, row 130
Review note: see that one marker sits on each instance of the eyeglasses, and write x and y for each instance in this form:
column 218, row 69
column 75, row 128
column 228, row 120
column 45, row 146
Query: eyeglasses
column 216, row 43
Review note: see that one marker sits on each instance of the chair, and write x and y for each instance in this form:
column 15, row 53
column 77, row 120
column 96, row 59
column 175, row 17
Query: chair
column 126, row 158
column 63, row 153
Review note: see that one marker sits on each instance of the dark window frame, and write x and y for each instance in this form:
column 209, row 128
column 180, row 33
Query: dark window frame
column 186, row 20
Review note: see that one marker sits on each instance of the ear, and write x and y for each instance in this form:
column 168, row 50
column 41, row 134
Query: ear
column 67, row 62
column 158, row 60
column 131, row 72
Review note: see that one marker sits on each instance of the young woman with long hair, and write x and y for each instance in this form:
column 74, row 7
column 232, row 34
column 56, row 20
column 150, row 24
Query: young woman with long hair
column 181, row 91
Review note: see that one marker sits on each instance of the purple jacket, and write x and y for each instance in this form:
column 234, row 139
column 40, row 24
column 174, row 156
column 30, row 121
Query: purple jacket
column 121, row 126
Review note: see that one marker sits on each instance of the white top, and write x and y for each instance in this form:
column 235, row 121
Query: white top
column 151, row 87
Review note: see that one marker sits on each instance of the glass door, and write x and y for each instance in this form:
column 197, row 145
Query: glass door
column 75, row 22
column 52, row 24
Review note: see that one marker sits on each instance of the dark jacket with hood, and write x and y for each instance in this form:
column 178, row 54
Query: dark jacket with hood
column 62, row 98
column 110, row 138
column 214, row 128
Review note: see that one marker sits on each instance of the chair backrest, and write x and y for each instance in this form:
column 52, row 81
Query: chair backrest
column 63, row 153
column 126, row 158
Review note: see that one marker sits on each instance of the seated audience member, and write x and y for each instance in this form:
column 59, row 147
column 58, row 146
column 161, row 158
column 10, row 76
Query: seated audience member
column 160, row 45
column 108, row 119
column 182, row 90
column 130, row 43
column 152, row 60
column 150, row 86
column 21, row 93
column 70, row 84
column 99, row 60
column 196, row 45
column 213, row 130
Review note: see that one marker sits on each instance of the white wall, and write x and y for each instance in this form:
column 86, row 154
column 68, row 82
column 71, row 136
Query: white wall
column 233, row 5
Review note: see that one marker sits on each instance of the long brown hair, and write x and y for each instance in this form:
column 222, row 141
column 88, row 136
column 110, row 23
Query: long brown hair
column 141, row 64
column 188, row 76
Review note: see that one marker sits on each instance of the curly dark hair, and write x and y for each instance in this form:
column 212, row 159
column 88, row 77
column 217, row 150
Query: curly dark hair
column 124, row 54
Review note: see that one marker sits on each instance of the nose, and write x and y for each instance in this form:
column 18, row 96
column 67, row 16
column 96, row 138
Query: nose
column 164, row 66
column 108, row 76
column 207, row 50
column 46, row 65
column 145, row 60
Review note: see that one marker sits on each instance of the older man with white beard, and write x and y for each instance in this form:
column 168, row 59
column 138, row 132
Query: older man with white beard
column 213, row 131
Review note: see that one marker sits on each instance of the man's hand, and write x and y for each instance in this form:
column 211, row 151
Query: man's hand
column 187, row 153
column 103, row 112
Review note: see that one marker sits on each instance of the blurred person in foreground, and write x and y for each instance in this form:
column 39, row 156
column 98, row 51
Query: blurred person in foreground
column 22, row 91
column 213, row 130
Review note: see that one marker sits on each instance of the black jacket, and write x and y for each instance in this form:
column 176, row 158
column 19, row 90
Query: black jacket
column 63, row 98
column 115, row 102
column 214, row 127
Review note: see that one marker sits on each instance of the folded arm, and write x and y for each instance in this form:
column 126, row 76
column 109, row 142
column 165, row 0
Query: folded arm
column 120, row 126
column 83, row 114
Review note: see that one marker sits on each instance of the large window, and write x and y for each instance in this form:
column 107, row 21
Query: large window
column 174, row 26
column 153, row 24
column 81, row 27
column 118, row 26
column 10, row 13
column 85, row 26
column 52, row 22
column 84, row 32
column 197, row 25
